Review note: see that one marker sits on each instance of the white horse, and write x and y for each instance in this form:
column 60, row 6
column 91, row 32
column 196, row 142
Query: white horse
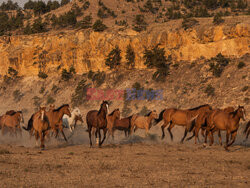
column 70, row 122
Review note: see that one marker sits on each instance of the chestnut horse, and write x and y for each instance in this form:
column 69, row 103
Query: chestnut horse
column 229, row 122
column 12, row 121
column 180, row 117
column 143, row 122
column 247, row 130
column 41, row 125
column 111, row 118
column 55, row 118
column 97, row 119
column 200, row 123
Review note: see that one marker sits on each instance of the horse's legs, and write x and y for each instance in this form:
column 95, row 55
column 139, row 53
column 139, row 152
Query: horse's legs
column 189, row 138
column 90, row 133
column 233, row 136
column 163, row 127
column 99, row 134
column 169, row 130
column 227, row 139
column 197, row 134
column 211, row 134
column 41, row 139
column 184, row 136
column 104, row 135
column 36, row 136
column 219, row 135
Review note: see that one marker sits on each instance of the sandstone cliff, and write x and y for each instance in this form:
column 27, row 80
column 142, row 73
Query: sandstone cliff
column 87, row 50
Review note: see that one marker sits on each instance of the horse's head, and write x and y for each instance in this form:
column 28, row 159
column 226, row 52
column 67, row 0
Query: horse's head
column 42, row 112
column 154, row 114
column 77, row 112
column 20, row 116
column 79, row 117
column 51, row 107
column 66, row 110
column 242, row 112
column 105, row 107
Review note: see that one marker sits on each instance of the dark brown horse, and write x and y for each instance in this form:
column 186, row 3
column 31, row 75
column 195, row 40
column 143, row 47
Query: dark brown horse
column 123, row 124
column 229, row 122
column 97, row 119
column 247, row 130
column 173, row 116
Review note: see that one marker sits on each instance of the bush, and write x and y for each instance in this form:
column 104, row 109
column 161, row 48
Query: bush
column 189, row 23
column 114, row 58
column 245, row 88
column 98, row 26
column 210, row 90
column 79, row 96
column 50, row 100
column 218, row 19
column 130, row 56
column 139, row 23
column 67, row 75
column 218, row 64
column 12, row 72
column 155, row 58
column 241, row 65
column 42, row 90
column 85, row 23
column 42, row 75
column 17, row 95
column 99, row 78
column 38, row 26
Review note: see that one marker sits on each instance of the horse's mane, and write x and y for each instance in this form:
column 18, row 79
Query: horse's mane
column 113, row 112
column 56, row 110
column 11, row 112
column 198, row 107
column 234, row 112
column 149, row 113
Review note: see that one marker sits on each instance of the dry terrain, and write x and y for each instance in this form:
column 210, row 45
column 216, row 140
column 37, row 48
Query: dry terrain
column 136, row 162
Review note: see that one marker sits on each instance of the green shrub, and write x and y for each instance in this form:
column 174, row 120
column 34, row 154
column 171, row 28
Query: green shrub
column 42, row 75
column 245, row 88
column 139, row 23
column 218, row 19
column 98, row 26
column 210, row 91
column 155, row 58
column 217, row 64
column 12, row 72
column 50, row 100
column 114, row 58
column 130, row 56
column 189, row 23
column 241, row 64
column 42, row 90
column 99, row 78
column 79, row 96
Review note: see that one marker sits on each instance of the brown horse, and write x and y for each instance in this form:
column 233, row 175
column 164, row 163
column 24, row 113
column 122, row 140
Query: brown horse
column 78, row 118
column 143, row 122
column 12, row 121
column 123, row 124
column 111, row 118
column 55, row 118
column 229, row 122
column 247, row 130
column 41, row 125
column 98, row 120
column 174, row 116
column 201, row 123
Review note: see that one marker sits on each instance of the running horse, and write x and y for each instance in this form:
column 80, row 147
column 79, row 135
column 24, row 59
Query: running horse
column 55, row 118
column 173, row 116
column 98, row 120
column 41, row 125
column 12, row 121
column 229, row 122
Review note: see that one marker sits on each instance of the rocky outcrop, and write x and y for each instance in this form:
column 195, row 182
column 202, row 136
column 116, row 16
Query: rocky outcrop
column 87, row 50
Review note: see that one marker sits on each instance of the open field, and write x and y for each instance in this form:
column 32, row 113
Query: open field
column 137, row 162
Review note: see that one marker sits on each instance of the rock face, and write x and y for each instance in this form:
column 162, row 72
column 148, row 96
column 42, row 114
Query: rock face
column 87, row 50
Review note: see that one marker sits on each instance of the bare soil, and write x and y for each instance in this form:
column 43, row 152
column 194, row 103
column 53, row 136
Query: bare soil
column 134, row 162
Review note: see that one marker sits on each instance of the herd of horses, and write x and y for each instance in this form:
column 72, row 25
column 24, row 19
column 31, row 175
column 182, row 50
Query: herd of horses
column 202, row 118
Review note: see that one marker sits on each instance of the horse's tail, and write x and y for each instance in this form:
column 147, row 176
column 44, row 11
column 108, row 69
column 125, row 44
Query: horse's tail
column 30, row 124
column 247, row 126
column 160, row 116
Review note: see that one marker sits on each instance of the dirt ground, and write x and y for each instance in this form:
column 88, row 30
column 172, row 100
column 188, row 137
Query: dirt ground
column 134, row 162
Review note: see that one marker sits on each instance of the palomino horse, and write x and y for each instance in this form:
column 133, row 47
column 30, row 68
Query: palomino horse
column 41, row 125
column 247, row 130
column 174, row 116
column 143, row 122
column 55, row 118
column 98, row 120
column 69, row 122
column 201, row 123
column 12, row 121
column 220, row 120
